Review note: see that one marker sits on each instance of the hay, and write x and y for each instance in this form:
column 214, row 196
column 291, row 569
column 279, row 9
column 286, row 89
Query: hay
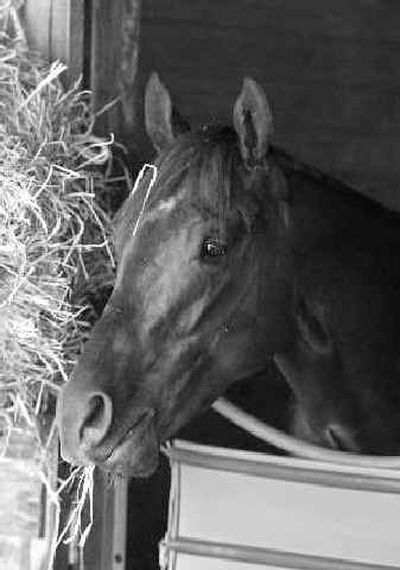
column 54, row 247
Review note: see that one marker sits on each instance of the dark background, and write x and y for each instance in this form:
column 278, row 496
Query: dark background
column 330, row 69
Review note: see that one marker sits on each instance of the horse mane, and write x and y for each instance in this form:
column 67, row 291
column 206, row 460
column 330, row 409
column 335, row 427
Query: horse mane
column 354, row 198
column 214, row 152
column 207, row 160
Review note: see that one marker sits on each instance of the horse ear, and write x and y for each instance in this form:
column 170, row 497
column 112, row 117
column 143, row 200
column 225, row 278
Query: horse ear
column 252, row 119
column 158, row 112
column 162, row 120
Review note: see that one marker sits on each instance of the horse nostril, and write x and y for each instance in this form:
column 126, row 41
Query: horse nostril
column 97, row 419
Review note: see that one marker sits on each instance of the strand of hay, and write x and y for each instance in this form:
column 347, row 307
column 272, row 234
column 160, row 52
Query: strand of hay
column 54, row 247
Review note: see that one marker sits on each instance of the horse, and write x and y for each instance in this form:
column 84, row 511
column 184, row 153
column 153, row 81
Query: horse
column 232, row 258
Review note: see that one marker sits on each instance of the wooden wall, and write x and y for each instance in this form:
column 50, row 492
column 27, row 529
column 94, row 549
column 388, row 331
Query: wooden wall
column 112, row 71
column 331, row 71
column 85, row 35
column 54, row 28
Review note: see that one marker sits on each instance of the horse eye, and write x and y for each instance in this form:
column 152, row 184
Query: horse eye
column 212, row 249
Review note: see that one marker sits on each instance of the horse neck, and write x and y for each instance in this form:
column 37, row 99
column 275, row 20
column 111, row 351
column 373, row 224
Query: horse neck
column 312, row 211
column 323, row 207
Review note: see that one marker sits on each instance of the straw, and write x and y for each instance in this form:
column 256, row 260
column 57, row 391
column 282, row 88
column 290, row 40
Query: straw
column 55, row 252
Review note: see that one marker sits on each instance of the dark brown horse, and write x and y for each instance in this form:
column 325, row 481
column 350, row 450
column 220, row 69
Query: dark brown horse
column 234, row 259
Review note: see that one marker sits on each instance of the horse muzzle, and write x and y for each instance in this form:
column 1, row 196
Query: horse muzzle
column 91, row 435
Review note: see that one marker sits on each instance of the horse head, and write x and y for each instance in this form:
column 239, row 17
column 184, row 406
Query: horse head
column 230, row 257
column 202, row 296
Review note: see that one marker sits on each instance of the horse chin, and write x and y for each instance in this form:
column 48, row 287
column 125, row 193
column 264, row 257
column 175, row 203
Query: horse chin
column 136, row 455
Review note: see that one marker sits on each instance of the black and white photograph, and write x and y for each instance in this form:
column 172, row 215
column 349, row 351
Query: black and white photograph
column 199, row 284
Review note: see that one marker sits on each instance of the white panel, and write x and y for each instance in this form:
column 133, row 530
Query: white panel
column 286, row 505
column 290, row 516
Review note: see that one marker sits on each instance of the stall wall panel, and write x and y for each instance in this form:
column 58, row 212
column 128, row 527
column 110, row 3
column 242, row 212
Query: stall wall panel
column 253, row 508
column 290, row 516
column 330, row 70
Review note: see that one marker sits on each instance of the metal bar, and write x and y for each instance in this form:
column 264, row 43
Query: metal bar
column 289, row 469
column 120, row 524
column 264, row 556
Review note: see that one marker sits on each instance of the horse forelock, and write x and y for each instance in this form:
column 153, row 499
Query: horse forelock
column 203, row 163
column 201, row 170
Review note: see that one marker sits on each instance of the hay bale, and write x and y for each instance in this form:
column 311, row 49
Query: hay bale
column 51, row 227
column 54, row 241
